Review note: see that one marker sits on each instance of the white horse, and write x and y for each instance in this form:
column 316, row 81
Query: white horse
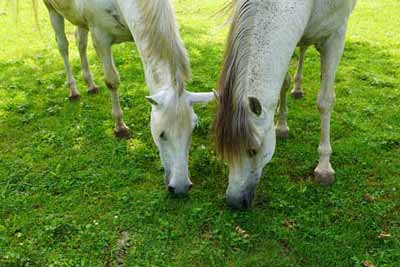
column 152, row 25
column 262, row 39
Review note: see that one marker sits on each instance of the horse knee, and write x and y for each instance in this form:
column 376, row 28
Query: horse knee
column 112, row 80
column 326, row 103
column 82, row 46
column 63, row 45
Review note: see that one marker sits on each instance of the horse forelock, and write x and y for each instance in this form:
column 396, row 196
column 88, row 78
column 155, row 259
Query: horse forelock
column 163, row 39
column 180, row 117
column 234, row 133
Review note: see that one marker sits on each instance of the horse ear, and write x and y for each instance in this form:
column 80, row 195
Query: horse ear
column 216, row 95
column 255, row 105
column 157, row 99
column 195, row 98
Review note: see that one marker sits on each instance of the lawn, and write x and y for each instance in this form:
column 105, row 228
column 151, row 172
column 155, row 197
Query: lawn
column 73, row 195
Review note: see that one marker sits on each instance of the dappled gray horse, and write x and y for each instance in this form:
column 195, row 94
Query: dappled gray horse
column 152, row 24
column 262, row 39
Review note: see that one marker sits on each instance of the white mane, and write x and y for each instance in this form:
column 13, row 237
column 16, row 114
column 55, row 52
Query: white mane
column 164, row 41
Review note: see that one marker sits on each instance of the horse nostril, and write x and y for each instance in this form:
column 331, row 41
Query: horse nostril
column 171, row 189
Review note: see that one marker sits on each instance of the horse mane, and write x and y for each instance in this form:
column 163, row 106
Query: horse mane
column 163, row 38
column 234, row 133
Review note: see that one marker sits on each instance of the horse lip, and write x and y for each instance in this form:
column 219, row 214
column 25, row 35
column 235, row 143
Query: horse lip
column 242, row 202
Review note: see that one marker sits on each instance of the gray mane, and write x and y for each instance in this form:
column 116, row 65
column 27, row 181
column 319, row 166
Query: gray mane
column 234, row 133
column 164, row 41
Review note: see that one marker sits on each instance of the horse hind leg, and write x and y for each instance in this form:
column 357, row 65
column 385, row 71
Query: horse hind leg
column 331, row 53
column 282, row 129
column 57, row 21
column 81, row 35
column 102, row 43
column 297, row 91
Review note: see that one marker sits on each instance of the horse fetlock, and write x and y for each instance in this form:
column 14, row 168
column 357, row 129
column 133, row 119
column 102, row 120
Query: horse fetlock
column 297, row 93
column 73, row 91
column 122, row 132
column 324, row 174
column 282, row 130
column 74, row 97
column 93, row 90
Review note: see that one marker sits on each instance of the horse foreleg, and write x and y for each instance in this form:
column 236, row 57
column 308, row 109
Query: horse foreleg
column 297, row 91
column 81, row 35
column 57, row 21
column 331, row 53
column 282, row 129
column 102, row 43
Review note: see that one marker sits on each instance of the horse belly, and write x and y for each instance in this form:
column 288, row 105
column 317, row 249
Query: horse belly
column 327, row 17
column 70, row 10
column 105, row 15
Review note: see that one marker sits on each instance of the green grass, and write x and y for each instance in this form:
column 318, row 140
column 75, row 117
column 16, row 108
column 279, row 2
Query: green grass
column 68, row 189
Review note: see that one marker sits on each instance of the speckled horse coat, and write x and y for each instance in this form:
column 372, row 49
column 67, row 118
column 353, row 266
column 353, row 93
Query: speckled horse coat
column 262, row 39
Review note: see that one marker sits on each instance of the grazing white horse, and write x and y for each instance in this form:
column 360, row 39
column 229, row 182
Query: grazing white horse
column 262, row 39
column 152, row 25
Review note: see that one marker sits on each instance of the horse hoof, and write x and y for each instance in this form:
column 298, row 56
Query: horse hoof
column 74, row 98
column 282, row 133
column 123, row 133
column 93, row 91
column 324, row 177
column 297, row 94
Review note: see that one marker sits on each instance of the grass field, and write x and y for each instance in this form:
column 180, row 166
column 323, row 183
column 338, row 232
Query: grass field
column 73, row 195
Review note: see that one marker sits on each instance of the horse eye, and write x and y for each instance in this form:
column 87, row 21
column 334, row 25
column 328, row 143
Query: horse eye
column 163, row 136
column 252, row 152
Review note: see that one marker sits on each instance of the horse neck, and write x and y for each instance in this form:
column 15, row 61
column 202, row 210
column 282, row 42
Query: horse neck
column 157, row 74
column 153, row 26
column 278, row 27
